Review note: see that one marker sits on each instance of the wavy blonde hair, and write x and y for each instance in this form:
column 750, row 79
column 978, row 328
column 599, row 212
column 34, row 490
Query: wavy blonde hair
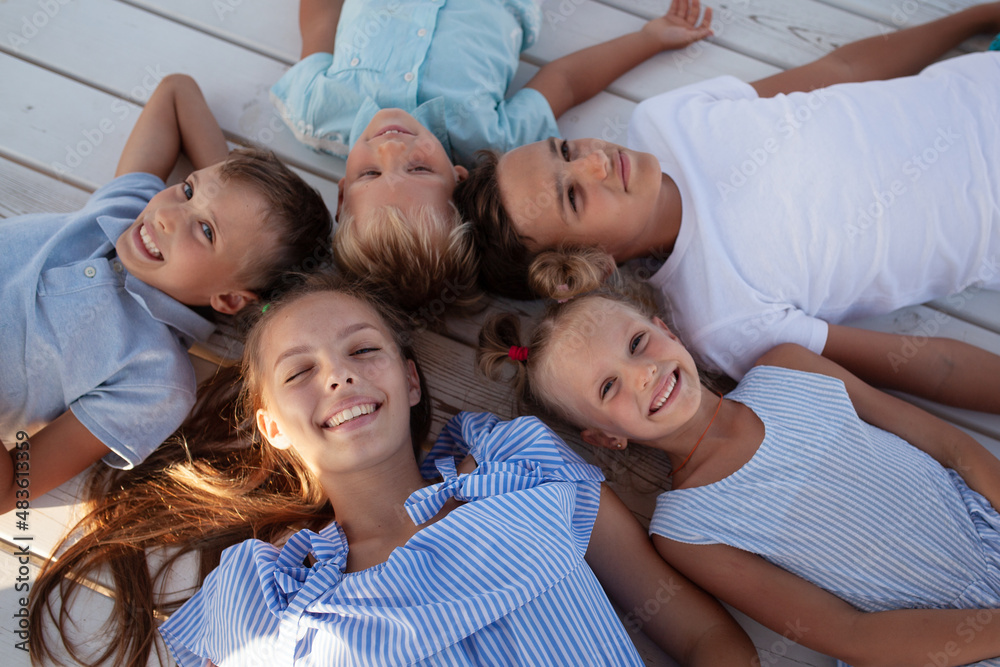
column 423, row 258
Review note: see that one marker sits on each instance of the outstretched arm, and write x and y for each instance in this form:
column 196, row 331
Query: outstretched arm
column 176, row 118
column 318, row 21
column 894, row 54
column 950, row 446
column 56, row 454
column 943, row 370
column 689, row 625
column 809, row 615
column 577, row 77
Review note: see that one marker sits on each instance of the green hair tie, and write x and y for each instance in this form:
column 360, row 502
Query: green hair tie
column 264, row 308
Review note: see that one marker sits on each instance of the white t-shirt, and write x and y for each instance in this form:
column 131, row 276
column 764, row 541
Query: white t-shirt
column 827, row 206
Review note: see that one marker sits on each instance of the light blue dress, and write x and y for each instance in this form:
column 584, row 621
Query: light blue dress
column 500, row 580
column 447, row 62
column 852, row 508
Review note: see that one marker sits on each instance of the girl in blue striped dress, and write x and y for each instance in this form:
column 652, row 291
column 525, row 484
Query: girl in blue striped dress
column 844, row 518
column 477, row 558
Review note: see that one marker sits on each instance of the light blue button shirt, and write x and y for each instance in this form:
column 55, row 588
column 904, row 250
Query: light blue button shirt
column 447, row 62
column 80, row 333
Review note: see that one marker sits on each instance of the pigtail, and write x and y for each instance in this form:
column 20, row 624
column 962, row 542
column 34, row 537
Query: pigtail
column 497, row 339
column 568, row 272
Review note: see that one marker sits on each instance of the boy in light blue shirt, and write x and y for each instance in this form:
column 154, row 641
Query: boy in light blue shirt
column 102, row 304
column 409, row 90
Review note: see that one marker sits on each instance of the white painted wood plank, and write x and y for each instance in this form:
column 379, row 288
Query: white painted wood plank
column 978, row 306
column 235, row 80
column 75, row 132
column 261, row 25
column 785, row 33
column 571, row 25
column 24, row 190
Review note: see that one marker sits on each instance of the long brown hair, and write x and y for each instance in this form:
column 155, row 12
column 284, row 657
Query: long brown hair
column 212, row 485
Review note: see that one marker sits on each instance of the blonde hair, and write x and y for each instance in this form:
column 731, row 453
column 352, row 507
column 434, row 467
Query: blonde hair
column 573, row 318
column 561, row 318
column 423, row 258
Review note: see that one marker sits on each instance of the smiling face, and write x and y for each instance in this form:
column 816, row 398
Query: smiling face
column 620, row 373
column 195, row 240
column 397, row 162
column 583, row 191
column 335, row 386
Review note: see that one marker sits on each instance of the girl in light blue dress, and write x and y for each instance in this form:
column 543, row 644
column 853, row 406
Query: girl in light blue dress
column 486, row 555
column 839, row 516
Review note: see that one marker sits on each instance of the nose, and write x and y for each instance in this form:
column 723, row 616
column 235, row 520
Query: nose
column 594, row 165
column 644, row 374
column 169, row 217
column 338, row 377
column 391, row 151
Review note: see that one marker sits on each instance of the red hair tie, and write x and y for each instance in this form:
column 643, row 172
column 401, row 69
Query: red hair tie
column 518, row 353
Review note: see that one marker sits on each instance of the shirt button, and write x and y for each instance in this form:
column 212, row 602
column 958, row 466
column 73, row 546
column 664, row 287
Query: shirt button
column 354, row 62
column 118, row 267
column 422, row 32
column 90, row 272
column 408, row 76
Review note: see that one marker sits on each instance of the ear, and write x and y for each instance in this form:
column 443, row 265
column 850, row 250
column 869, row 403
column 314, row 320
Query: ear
column 461, row 173
column 596, row 438
column 271, row 431
column 341, row 187
column 663, row 325
column 233, row 302
column 413, row 381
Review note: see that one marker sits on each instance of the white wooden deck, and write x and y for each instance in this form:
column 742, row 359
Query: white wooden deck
column 75, row 73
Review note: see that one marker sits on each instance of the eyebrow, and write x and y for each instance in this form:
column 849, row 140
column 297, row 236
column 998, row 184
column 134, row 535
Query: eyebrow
column 560, row 187
column 302, row 349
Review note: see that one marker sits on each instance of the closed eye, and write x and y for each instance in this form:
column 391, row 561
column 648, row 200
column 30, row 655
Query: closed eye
column 296, row 374
column 364, row 350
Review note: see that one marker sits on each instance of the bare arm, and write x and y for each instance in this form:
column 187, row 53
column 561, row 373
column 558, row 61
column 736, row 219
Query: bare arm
column 55, row 454
column 944, row 370
column 807, row 614
column 577, row 77
column 886, row 56
column 176, row 118
column 687, row 623
column 318, row 21
column 948, row 445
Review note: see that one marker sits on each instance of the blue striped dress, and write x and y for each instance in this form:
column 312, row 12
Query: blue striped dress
column 843, row 504
column 500, row 580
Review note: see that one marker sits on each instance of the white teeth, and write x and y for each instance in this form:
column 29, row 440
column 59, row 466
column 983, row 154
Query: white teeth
column 349, row 414
column 148, row 242
column 669, row 389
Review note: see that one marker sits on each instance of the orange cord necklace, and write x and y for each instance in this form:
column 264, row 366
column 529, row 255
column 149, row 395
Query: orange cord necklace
column 688, row 457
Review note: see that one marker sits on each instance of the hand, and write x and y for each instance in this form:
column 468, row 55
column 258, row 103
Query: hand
column 679, row 26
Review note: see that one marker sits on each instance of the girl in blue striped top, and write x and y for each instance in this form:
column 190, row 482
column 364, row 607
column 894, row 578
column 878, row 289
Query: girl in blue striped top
column 804, row 498
column 477, row 558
